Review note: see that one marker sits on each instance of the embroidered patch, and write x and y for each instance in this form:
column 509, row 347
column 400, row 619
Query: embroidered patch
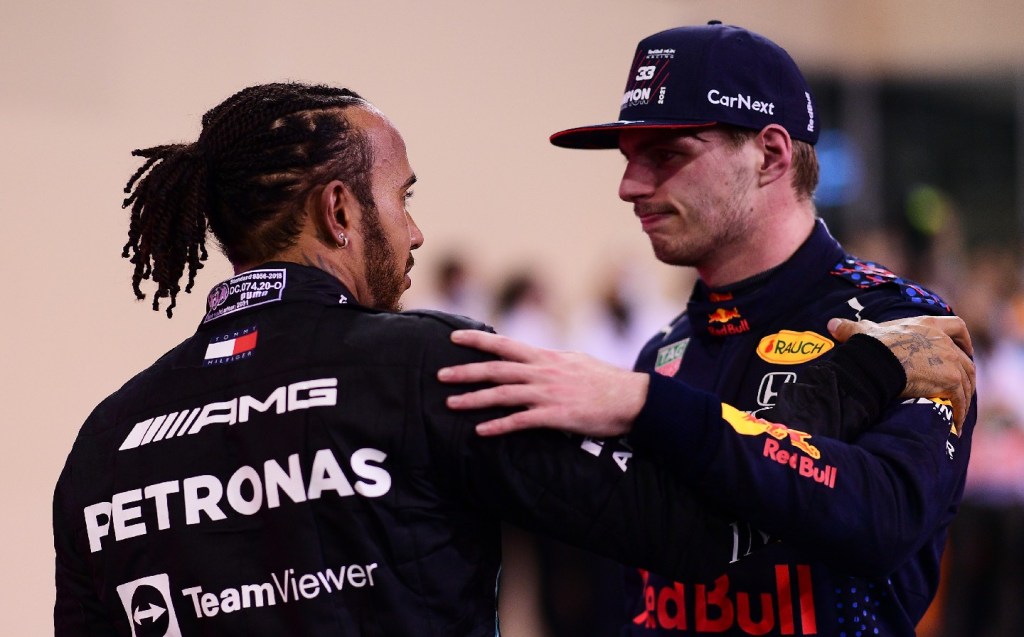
column 799, row 455
column 727, row 322
column 670, row 358
column 770, row 387
column 231, row 347
column 246, row 290
column 865, row 274
column 787, row 347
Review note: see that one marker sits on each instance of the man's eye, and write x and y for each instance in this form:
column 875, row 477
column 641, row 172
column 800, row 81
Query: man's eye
column 662, row 156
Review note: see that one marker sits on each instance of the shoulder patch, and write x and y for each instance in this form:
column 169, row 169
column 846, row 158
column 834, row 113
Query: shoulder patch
column 865, row 274
column 456, row 321
column 231, row 347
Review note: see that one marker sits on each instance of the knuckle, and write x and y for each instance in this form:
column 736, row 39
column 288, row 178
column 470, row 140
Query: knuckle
column 510, row 423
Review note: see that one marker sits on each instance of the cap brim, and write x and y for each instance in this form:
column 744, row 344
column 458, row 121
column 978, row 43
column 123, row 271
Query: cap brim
column 603, row 136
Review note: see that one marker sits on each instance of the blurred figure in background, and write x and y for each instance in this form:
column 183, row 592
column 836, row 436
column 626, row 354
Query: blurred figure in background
column 456, row 289
column 983, row 578
column 986, row 567
column 626, row 309
column 522, row 310
column 561, row 587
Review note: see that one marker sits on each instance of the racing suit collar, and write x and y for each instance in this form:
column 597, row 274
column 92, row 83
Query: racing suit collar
column 764, row 297
column 273, row 282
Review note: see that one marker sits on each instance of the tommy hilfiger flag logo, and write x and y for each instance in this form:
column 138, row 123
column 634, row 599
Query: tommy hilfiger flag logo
column 231, row 347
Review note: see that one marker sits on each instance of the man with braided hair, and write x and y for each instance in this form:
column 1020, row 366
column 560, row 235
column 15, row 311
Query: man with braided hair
column 257, row 172
column 291, row 468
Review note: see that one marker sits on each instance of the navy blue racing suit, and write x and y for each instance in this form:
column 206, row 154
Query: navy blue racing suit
column 888, row 500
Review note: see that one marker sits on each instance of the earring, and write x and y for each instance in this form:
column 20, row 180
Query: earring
column 342, row 240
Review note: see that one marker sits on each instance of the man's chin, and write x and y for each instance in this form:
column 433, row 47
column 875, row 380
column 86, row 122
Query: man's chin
column 672, row 257
column 393, row 303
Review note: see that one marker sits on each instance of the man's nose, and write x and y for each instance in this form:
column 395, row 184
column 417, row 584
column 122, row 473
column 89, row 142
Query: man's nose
column 415, row 236
column 636, row 182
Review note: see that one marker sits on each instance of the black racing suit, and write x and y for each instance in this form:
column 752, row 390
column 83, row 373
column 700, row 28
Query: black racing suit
column 291, row 469
column 888, row 500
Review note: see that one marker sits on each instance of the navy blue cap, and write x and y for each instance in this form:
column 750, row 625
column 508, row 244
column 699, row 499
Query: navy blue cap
column 693, row 77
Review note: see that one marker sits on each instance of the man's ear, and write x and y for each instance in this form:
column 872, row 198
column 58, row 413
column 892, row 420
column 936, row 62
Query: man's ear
column 334, row 211
column 777, row 153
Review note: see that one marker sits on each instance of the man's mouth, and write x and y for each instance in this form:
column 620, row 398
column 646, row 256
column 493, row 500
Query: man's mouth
column 651, row 217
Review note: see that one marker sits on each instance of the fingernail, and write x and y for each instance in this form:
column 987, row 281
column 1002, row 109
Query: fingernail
column 833, row 324
column 457, row 335
column 444, row 373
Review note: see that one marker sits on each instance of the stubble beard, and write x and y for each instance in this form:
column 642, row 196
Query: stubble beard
column 697, row 248
column 708, row 231
column 385, row 280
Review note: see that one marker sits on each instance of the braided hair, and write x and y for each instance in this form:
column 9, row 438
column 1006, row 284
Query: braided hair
column 259, row 155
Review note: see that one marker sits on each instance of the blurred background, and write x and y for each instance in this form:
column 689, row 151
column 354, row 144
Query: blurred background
column 922, row 105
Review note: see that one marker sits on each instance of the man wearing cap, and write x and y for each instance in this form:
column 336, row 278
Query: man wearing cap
column 718, row 126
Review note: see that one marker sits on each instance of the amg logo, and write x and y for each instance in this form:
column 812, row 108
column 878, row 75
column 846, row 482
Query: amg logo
column 321, row 392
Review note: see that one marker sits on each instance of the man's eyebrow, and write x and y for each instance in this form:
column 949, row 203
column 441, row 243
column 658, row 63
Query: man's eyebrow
column 409, row 182
column 668, row 140
column 649, row 144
